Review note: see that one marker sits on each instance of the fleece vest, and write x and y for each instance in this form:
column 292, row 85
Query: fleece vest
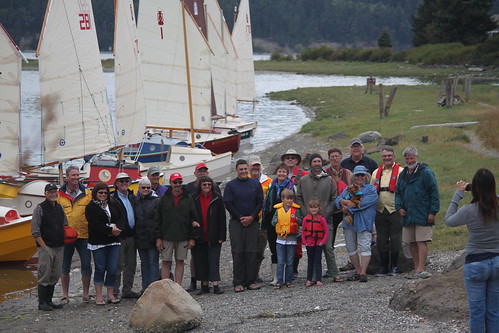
column 52, row 226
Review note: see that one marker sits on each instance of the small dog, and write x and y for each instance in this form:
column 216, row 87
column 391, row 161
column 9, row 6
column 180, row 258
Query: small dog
column 355, row 196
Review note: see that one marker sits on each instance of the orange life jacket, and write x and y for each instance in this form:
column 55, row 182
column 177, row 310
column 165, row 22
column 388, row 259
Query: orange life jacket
column 287, row 223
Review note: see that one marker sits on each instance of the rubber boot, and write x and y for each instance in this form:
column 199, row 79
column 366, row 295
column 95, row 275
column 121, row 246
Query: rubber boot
column 296, row 262
column 42, row 299
column 193, row 285
column 383, row 269
column 50, row 294
column 205, row 289
column 393, row 264
column 274, row 275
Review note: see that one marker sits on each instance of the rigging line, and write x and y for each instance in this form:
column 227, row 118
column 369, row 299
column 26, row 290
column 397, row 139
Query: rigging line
column 86, row 84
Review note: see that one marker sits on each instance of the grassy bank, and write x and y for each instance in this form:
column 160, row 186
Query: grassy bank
column 375, row 69
column 350, row 110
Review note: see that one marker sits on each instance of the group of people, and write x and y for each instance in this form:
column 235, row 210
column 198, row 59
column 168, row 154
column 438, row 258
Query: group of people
column 383, row 205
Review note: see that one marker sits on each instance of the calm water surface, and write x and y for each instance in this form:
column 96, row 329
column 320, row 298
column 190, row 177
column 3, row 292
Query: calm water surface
column 270, row 114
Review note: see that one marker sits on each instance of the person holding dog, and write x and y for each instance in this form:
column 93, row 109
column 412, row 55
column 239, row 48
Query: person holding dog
column 358, row 235
column 388, row 221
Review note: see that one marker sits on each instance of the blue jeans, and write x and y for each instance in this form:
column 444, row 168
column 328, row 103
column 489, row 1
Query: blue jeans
column 285, row 257
column 85, row 257
column 106, row 265
column 482, row 287
column 149, row 265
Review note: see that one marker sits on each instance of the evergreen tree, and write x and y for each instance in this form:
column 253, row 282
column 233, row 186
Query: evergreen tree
column 384, row 40
column 448, row 21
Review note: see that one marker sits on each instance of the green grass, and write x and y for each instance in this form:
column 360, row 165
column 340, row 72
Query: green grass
column 397, row 69
column 350, row 110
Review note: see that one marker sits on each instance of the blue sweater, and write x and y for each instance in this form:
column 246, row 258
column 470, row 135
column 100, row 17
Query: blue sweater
column 243, row 198
column 363, row 217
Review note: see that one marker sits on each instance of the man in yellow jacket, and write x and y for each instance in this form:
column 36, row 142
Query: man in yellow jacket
column 74, row 197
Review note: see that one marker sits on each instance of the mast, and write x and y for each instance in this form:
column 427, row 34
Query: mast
column 188, row 73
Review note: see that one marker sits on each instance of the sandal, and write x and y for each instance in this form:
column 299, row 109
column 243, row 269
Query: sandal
column 309, row 283
column 238, row 289
column 113, row 301
column 338, row 279
column 64, row 301
column 102, row 302
column 277, row 286
column 254, row 286
column 354, row 277
column 319, row 283
column 88, row 299
column 289, row 285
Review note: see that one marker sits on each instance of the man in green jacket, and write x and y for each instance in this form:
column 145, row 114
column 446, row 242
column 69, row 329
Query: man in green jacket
column 176, row 227
column 417, row 199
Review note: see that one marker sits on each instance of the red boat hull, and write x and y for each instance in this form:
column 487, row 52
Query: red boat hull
column 220, row 146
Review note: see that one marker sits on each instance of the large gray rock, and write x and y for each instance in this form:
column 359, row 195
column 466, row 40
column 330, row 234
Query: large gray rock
column 165, row 307
column 370, row 136
column 441, row 297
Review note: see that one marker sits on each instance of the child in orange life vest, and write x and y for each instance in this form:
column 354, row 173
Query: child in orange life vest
column 287, row 221
column 314, row 235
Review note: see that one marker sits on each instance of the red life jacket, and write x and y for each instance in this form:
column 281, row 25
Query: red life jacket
column 393, row 177
column 313, row 228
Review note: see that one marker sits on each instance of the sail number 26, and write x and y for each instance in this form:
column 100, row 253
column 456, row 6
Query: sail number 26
column 85, row 22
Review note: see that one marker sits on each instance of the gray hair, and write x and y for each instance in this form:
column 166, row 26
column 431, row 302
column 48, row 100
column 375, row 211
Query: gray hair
column 144, row 181
column 410, row 151
column 388, row 148
column 71, row 167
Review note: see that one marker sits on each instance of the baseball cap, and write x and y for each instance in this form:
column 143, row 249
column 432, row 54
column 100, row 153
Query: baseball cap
column 354, row 141
column 360, row 170
column 154, row 169
column 200, row 166
column 175, row 176
column 50, row 187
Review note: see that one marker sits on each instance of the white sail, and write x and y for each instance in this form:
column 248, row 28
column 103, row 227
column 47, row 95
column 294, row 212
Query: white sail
column 164, row 68
column 130, row 99
column 75, row 114
column 10, row 104
column 223, row 60
column 242, row 37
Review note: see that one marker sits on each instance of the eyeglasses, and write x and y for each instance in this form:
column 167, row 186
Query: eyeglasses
column 124, row 180
column 386, row 156
column 102, row 192
column 177, row 182
column 206, row 184
column 146, row 187
column 290, row 157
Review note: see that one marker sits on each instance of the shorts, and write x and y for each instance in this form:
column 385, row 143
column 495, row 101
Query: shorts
column 358, row 241
column 179, row 247
column 417, row 233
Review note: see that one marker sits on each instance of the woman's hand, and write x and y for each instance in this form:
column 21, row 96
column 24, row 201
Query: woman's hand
column 116, row 231
column 461, row 185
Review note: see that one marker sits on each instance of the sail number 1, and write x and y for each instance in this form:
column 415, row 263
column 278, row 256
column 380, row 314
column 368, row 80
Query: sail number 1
column 85, row 22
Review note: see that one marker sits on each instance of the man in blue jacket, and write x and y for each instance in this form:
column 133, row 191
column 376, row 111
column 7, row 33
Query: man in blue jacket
column 417, row 200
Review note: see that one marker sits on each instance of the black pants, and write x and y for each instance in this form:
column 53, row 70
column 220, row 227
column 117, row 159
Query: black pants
column 244, row 246
column 207, row 261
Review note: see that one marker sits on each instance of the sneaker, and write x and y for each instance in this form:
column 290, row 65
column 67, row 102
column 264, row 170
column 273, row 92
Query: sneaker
column 382, row 272
column 363, row 278
column 424, row 275
column 131, row 294
column 192, row 287
column 326, row 275
column 418, row 275
column 347, row 267
column 393, row 271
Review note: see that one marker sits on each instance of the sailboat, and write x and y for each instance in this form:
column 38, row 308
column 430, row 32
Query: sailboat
column 132, row 113
column 177, row 78
column 244, row 72
column 16, row 242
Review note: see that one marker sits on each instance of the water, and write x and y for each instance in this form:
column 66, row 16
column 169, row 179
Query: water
column 270, row 114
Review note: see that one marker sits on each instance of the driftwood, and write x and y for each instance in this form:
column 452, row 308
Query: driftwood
column 384, row 108
column 459, row 125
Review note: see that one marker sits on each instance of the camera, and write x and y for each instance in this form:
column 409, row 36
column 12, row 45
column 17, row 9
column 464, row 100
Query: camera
column 468, row 187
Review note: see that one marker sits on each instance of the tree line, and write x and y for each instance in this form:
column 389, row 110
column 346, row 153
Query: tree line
column 296, row 24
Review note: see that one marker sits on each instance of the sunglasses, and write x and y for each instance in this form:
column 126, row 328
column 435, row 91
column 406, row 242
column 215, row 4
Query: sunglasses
column 124, row 180
column 206, row 184
column 146, row 187
column 177, row 182
column 102, row 192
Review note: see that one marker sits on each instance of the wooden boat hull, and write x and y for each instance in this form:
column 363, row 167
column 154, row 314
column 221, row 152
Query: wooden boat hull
column 227, row 144
column 16, row 243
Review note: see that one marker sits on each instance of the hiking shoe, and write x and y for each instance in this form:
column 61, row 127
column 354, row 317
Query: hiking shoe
column 326, row 275
column 382, row 272
column 192, row 287
column 204, row 290
column 347, row 267
column 363, row 278
column 217, row 290
column 418, row 275
column 393, row 271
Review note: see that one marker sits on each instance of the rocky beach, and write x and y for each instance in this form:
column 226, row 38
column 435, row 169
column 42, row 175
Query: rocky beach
column 334, row 307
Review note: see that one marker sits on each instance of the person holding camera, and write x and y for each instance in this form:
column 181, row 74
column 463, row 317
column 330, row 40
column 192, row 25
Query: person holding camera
column 481, row 265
